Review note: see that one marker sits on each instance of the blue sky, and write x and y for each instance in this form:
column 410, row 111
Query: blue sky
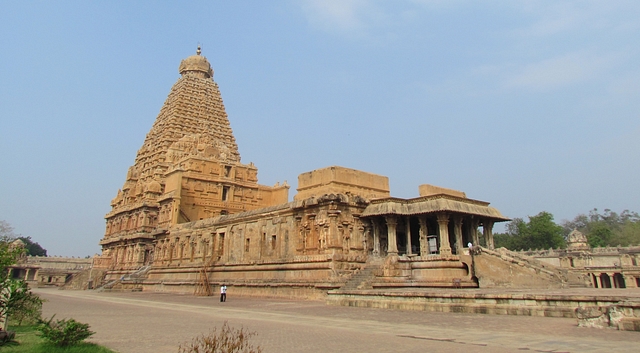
column 530, row 105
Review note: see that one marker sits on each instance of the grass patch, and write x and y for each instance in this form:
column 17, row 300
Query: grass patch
column 28, row 341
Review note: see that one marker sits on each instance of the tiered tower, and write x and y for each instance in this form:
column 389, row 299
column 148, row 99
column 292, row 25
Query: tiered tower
column 187, row 169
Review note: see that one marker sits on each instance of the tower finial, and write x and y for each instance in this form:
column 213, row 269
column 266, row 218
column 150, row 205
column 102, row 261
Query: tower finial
column 198, row 51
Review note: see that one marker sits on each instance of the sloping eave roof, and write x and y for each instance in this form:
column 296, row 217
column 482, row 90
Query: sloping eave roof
column 432, row 204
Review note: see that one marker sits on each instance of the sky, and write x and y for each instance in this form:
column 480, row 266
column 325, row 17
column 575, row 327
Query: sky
column 530, row 105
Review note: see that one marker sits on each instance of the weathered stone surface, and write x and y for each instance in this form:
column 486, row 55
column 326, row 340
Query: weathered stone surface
column 592, row 316
column 624, row 316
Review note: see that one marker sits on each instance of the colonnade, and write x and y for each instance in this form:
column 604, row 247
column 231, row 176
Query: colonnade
column 30, row 274
column 614, row 280
column 464, row 231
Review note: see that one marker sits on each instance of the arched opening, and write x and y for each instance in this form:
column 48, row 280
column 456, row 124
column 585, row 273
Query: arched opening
column 618, row 281
column 595, row 280
column 605, row 280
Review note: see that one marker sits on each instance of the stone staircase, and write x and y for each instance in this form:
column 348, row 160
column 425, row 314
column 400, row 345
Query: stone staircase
column 567, row 278
column 132, row 281
column 78, row 280
column 363, row 278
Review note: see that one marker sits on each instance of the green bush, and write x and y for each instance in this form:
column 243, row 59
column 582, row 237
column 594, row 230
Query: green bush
column 65, row 332
column 24, row 306
column 227, row 340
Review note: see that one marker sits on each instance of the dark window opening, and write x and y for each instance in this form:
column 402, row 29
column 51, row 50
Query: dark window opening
column 618, row 281
column 225, row 193
column 247, row 242
column 227, row 170
column 273, row 242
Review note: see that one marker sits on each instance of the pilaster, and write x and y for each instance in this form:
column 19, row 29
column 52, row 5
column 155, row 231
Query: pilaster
column 392, row 248
column 443, row 223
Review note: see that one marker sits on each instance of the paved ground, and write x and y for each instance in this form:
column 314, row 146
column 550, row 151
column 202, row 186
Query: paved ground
column 158, row 323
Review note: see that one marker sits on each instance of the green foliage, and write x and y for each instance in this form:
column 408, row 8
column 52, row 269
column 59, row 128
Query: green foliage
column 33, row 248
column 24, row 306
column 64, row 332
column 28, row 341
column 227, row 340
column 541, row 232
column 608, row 228
column 13, row 293
column 9, row 255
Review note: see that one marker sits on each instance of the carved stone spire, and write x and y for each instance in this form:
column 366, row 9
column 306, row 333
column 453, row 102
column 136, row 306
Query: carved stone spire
column 192, row 121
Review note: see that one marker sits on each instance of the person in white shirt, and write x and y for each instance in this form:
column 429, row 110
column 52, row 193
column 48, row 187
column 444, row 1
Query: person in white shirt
column 223, row 293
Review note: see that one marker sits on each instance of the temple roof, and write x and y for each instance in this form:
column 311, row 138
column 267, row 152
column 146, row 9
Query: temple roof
column 432, row 204
column 197, row 64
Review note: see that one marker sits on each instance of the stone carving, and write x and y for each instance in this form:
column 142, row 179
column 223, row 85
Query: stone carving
column 577, row 241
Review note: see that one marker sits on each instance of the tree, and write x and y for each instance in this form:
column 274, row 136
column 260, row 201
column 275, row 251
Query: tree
column 22, row 304
column 8, row 287
column 33, row 248
column 607, row 228
column 541, row 232
column 15, row 296
column 6, row 231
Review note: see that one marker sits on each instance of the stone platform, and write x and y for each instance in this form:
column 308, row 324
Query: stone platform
column 617, row 308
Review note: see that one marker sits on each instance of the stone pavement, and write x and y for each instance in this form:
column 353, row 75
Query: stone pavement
column 157, row 323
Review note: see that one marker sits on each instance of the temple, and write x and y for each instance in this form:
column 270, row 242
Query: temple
column 190, row 215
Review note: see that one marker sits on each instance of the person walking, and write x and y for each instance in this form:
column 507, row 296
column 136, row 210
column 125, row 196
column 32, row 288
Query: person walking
column 223, row 293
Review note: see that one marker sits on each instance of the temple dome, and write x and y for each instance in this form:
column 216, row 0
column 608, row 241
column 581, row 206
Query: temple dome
column 196, row 65
column 154, row 187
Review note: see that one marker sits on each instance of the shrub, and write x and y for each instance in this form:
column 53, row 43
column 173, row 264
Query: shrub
column 24, row 306
column 227, row 340
column 65, row 332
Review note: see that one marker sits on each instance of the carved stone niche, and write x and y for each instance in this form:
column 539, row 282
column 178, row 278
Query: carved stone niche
column 577, row 241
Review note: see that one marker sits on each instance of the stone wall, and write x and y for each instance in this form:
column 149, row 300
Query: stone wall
column 610, row 267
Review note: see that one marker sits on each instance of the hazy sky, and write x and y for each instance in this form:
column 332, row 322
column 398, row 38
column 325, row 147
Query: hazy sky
column 530, row 105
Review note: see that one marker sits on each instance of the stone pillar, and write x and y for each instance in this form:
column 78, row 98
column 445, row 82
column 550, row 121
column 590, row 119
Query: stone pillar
column 457, row 230
column 424, row 231
column 598, row 281
column 392, row 247
column 487, row 230
column 443, row 223
column 376, row 237
column 473, row 229
column 408, row 232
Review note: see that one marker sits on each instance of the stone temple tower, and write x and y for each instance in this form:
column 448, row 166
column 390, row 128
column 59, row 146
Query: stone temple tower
column 187, row 169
